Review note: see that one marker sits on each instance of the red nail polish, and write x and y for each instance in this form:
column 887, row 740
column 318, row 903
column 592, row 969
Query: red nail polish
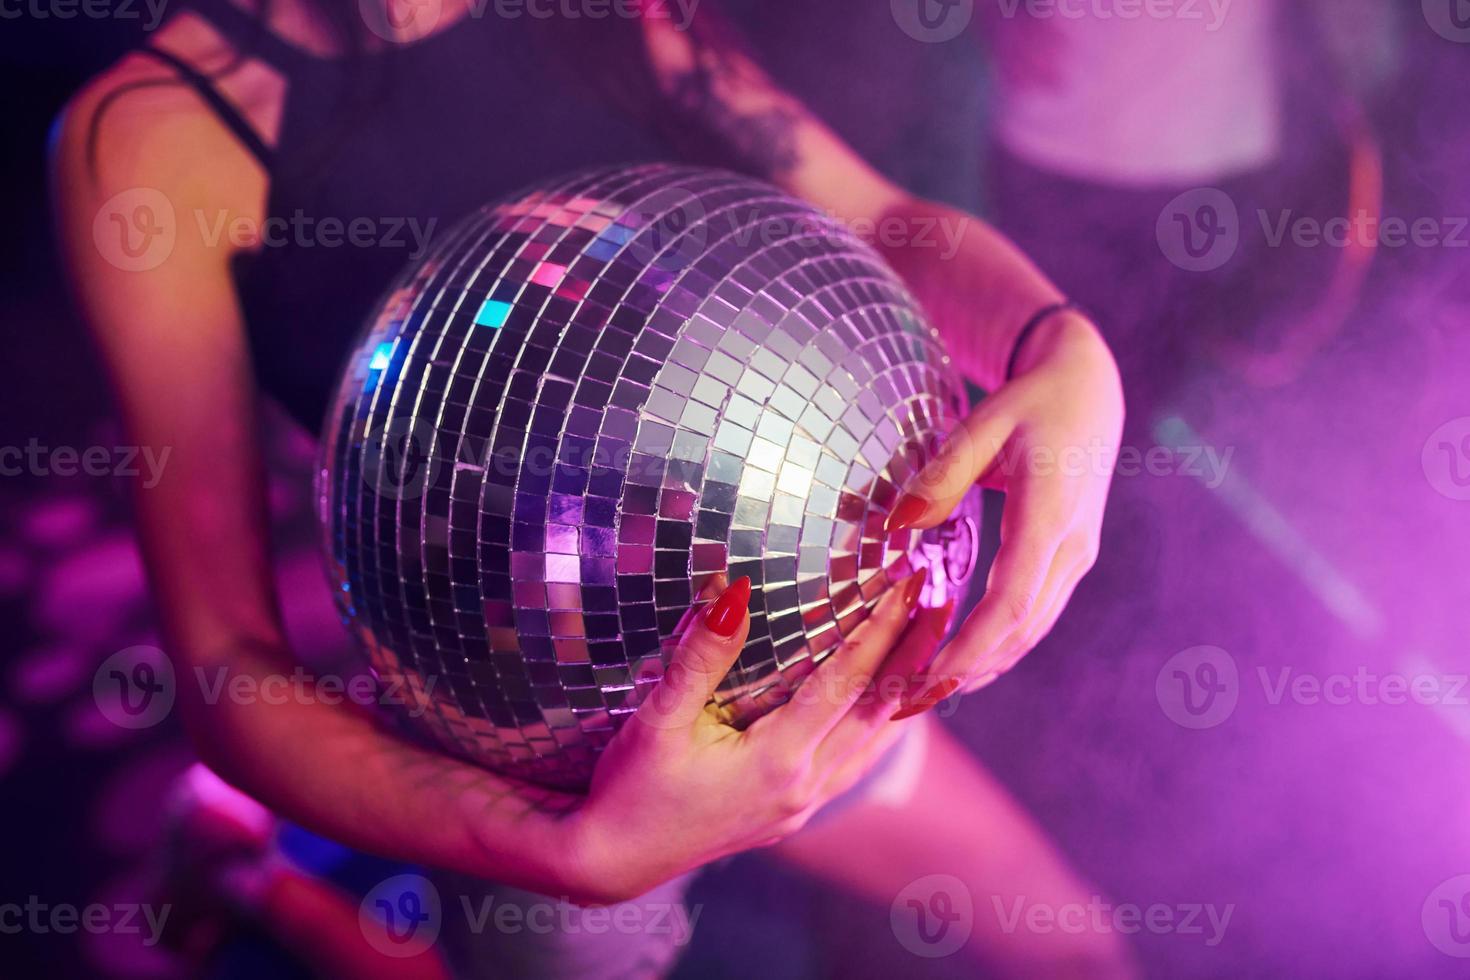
column 914, row 587
column 726, row 613
column 927, row 700
column 906, row 513
column 941, row 625
column 910, row 711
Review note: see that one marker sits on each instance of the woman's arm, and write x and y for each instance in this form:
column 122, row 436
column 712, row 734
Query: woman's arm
column 173, row 341
column 977, row 287
column 175, row 346
column 1048, row 436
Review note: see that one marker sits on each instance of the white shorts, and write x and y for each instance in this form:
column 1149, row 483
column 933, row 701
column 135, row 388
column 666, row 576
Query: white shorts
column 636, row 940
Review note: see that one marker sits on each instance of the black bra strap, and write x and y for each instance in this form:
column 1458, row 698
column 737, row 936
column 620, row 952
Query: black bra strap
column 227, row 111
column 250, row 36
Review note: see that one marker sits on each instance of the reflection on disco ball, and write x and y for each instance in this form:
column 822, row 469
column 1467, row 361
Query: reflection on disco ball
column 587, row 404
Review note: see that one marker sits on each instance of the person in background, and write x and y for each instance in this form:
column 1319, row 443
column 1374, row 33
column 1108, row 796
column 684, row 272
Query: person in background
column 1105, row 126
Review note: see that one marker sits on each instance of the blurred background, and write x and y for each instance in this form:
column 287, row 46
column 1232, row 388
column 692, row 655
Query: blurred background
column 1257, row 703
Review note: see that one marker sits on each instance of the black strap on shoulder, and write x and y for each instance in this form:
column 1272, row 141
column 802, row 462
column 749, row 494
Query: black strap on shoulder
column 227, row 111
column 251, row 37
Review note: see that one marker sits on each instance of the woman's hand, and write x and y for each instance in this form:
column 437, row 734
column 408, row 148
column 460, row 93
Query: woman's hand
column 678, row 787
column 1049, row 440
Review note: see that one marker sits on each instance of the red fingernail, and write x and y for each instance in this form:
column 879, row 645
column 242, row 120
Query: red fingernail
column 941, row 625
column 914, row 587
column 906, row 513
column 927, row 700
column 726, row 613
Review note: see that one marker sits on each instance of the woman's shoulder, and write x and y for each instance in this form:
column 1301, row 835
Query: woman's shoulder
column 140, row 121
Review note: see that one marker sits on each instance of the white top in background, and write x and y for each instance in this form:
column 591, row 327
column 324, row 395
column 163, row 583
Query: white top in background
column 1186, row 95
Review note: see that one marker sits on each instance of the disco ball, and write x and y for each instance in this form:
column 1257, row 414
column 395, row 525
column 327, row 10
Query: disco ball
column 586, row 404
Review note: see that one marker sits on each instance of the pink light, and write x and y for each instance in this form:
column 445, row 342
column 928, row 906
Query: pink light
column 548, row 274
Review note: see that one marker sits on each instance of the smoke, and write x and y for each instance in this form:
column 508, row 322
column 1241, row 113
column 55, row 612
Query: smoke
column 1326, row 799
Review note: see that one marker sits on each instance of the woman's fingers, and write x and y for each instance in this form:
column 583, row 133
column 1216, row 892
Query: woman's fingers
column 707, row 650
column 901, row 677
column 1061, row 580
column 829, row 692
column 968, row 454
column 906, row 673
column 865, row 734
column 1033, row 528
column 841, row 773
column 1046, row 620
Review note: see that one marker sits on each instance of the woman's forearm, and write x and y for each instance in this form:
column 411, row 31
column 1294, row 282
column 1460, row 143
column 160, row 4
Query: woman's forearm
column 353, row 782
column 978, row 288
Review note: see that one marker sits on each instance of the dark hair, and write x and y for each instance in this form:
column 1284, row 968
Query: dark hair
column 613, row 64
